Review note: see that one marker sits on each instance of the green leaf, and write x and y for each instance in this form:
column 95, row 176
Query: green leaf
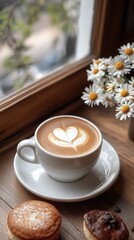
column 14, row 62
column 21, row 26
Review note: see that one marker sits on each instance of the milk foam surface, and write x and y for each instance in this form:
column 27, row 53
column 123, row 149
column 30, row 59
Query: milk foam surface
column 68, row 136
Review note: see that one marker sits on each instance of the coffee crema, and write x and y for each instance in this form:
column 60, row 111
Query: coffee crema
column 68, row 136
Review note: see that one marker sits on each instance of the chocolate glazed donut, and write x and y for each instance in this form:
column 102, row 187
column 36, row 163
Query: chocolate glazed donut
column 104, row 225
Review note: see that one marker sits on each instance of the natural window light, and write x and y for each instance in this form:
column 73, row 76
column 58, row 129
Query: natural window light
column 39, row 37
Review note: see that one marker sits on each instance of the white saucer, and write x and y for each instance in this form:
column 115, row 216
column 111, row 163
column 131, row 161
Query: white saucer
column 34, row 178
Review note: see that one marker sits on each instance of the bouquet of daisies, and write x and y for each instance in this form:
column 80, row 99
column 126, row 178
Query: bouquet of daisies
column 112, row 82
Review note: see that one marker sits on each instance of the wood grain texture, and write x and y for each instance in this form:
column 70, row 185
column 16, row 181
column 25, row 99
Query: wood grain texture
column 4, row 210
column 120, row 194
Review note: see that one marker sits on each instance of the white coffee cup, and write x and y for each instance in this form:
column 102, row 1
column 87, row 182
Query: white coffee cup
column 66, row 146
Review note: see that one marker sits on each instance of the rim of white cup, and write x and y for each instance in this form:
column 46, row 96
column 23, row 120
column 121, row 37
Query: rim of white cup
column 69, row 116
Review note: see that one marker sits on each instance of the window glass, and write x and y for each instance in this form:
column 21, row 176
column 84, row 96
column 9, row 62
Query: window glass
column 39, row 37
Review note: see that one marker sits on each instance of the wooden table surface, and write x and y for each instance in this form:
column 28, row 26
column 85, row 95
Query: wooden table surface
column 121, row 194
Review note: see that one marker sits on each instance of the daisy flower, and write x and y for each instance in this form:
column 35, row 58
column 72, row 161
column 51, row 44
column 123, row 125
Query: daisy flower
column 97, row 71
column 97, row 61
column 127, row 51
column 124, row 92
column 118, row 67
column 121, row 80
column 125, row 110
column 101, row 84
column 108, row 100
column 106, row 61
column 92, row 96
column 111, row 86
column 112, row 82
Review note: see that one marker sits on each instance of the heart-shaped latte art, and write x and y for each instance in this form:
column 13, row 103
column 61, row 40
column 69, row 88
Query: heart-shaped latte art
column 68, row 137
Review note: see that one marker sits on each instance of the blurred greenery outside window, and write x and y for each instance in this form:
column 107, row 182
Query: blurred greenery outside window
column 39, row 37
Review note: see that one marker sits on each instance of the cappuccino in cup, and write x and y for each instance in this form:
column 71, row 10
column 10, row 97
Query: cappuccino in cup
column 68, row 136
column 66, row 146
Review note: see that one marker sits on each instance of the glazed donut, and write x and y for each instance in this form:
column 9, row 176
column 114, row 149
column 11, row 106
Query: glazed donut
column 104, row 225
column 34, row 220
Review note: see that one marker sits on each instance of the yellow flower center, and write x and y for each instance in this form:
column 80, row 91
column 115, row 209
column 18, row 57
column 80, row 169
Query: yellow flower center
column 106, row 64
column 112, row 87
column 119, row 65
column 97, row 61
column 95, row 70
column 124, row 93
column 128, row 51
column 93, row 96
column 133, row 84
column 125, row 109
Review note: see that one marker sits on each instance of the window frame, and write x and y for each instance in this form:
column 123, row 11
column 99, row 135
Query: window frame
column 33, row 104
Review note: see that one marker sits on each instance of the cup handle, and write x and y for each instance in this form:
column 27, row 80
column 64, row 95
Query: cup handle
column 30, row 144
